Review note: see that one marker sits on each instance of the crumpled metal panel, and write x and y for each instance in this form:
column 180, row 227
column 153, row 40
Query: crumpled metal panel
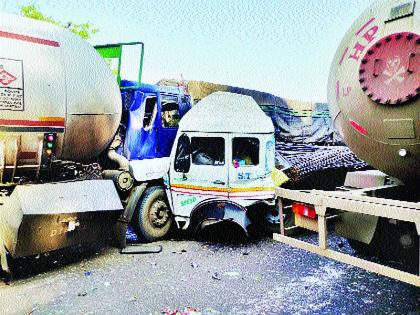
column 217, row 211
column 45, row 217
column 77, row 196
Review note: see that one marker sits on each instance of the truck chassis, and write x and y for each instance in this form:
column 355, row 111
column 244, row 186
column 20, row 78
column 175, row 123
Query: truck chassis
column 328, row 203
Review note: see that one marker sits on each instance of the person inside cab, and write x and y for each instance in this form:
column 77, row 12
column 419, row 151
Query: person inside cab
column 245, row 152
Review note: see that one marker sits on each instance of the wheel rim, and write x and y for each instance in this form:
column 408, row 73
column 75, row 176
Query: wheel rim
column 407, row 241
column 159, row 214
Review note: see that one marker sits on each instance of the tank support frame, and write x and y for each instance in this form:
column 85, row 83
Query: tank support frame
column 356, row 202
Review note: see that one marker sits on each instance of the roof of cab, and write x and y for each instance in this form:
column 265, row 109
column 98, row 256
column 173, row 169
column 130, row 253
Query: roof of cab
column 153, row 88
column 227, row 112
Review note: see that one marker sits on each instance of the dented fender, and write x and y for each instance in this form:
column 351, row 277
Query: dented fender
column 216, row 211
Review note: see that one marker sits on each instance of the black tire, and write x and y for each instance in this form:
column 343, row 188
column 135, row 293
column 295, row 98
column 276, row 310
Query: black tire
column 289, row 221
column 263, row 217
column 153, row 218
column 362, row 249
column 392, row 242
column 402, row 245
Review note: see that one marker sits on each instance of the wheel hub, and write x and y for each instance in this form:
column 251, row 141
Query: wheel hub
column 159, row 215
column 406, row 240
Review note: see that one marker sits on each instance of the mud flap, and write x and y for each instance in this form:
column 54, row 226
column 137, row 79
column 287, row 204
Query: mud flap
column 357, row 226
column 127, row 215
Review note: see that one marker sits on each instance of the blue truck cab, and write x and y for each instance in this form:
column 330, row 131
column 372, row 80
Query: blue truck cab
column 151, row 114
column 141, row 148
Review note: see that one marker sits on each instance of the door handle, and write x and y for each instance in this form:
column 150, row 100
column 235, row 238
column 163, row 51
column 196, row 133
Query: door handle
column 219, row 182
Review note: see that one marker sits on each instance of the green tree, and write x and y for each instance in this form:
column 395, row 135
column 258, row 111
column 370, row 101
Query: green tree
column 84, row 30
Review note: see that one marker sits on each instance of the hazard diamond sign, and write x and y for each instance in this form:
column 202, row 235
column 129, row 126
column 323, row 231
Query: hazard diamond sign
column 6, row 78
column 11, row 85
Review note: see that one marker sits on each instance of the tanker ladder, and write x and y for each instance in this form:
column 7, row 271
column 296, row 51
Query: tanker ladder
column 327, row 205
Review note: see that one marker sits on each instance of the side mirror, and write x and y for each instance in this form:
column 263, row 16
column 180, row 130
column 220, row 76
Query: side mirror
column 183, row 155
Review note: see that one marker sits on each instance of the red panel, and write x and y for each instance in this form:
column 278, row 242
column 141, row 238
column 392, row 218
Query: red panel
column 28, row 155
column 32, row 123
column 390, row 70
column 30, row 39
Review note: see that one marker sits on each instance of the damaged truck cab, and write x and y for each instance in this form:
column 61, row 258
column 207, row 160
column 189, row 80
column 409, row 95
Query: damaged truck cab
column 219, row 169
column 152, row 116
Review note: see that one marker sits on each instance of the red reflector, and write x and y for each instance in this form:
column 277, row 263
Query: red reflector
column 359, row 128
column 304, row 210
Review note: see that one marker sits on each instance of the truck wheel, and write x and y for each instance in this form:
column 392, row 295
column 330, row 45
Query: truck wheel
column 396, row 242
column 402, row 241
column 153, row 218
column 362, row 249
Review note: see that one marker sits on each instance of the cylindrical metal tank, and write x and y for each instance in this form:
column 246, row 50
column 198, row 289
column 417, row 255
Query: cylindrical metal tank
column 52, row 82
column 374, row 86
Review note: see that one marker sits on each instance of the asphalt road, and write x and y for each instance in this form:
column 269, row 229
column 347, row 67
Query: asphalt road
column 261, row 277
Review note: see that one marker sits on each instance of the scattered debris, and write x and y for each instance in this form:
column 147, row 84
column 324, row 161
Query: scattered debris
column 141, row 249
column 82, row 293
column 131, row 235
column 32, row 310
column 257, row 278
column 189, row 310
column 232, row 274
column 216, row 276
column 88, row 273
column 180, row 252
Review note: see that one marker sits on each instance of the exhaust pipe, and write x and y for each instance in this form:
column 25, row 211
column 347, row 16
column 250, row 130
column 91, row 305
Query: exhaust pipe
column 122, row 162
column 122, row 177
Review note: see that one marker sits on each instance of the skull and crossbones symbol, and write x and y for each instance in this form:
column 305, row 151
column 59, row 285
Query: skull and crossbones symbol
column 393, row 70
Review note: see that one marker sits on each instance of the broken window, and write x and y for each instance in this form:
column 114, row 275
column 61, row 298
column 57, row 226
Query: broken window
column 245, row 151
column 170, row 115
column 182, row 156
column 149, row 112
column 208, row 150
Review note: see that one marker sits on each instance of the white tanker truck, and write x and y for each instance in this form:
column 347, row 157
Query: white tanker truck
column 373, row 90
column 58, row 112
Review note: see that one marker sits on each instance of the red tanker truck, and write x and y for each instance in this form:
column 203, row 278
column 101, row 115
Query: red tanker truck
column 373, row 91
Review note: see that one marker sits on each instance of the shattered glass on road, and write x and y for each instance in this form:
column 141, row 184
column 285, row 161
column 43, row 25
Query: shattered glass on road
column 261, row 277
